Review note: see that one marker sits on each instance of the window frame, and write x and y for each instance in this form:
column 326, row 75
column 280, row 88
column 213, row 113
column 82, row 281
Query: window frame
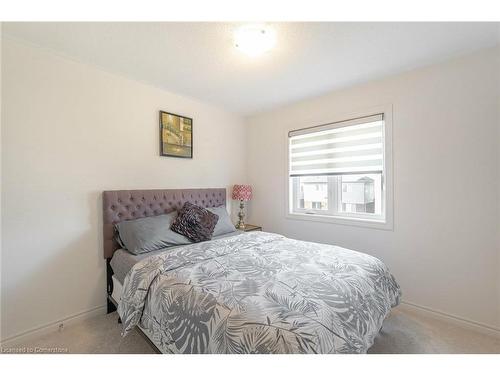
column 332, row 215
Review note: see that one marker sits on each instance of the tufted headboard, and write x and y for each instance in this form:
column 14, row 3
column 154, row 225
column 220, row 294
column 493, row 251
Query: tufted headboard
column 121, row 205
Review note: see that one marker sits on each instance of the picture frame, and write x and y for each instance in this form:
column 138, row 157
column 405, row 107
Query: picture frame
column 176, row 135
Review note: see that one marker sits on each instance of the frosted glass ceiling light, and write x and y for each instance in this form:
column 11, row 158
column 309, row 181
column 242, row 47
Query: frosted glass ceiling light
column 254, row 40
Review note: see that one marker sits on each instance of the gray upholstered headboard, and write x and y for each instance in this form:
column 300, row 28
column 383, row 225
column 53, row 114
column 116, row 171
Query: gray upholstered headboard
column 121, row 205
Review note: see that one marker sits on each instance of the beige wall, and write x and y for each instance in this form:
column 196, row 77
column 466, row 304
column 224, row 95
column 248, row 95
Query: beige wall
column 0, row 172
column 69, row 132
column 444, row 249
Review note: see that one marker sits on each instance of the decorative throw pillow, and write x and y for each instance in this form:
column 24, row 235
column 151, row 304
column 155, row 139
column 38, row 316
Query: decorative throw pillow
column 194, row 222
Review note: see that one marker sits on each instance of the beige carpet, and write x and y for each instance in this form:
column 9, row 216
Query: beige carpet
column 405, row 331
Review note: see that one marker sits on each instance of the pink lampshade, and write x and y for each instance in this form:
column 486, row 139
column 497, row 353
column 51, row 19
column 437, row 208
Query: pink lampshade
column 242, row 192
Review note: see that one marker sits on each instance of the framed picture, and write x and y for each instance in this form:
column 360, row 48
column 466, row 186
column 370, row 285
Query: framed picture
column 176, row 135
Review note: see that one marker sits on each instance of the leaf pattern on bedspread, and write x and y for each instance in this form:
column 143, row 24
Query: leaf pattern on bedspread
column 259, row 293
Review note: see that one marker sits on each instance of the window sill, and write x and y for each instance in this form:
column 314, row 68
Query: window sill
column 341, row 220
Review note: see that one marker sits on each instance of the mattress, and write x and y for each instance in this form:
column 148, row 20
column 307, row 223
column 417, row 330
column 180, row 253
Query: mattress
column 117, row 289
column 123, row 261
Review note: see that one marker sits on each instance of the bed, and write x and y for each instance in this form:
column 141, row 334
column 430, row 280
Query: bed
column 252, row 292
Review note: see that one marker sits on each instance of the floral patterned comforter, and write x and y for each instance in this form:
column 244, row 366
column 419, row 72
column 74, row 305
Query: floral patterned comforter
column 259, row 293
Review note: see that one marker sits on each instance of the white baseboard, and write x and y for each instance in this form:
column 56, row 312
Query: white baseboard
column 466, row 323
column 36, row 332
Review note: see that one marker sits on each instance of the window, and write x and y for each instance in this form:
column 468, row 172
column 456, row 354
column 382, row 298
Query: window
column 337, row 170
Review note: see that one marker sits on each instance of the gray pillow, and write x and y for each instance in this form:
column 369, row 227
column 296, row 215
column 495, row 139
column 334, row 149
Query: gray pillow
column 224, row 225
column 149, row 233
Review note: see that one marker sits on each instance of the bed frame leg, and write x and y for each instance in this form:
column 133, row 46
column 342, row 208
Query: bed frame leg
column 111, row 307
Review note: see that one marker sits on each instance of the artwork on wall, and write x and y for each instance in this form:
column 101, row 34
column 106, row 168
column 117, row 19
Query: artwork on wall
column 176, row 135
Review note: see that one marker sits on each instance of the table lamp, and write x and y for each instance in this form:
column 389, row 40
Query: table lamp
column 241, row 193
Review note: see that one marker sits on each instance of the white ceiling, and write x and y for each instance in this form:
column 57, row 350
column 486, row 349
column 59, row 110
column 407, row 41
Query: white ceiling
column 200, row 60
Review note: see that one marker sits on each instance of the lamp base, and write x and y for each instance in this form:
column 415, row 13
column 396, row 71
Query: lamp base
column 241, row 224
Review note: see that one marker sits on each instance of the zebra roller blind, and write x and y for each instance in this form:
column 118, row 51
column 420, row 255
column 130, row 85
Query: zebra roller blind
column 349, row 147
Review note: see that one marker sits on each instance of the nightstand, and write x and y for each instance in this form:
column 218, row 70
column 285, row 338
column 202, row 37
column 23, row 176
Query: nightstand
column 251, row 228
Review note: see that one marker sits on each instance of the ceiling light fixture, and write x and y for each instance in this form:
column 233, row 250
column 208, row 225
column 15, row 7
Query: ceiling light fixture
column 254, row 40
